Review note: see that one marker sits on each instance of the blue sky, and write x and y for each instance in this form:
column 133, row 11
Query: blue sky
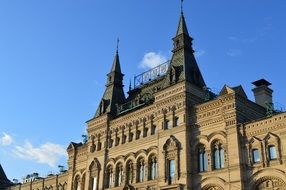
column 54, row 56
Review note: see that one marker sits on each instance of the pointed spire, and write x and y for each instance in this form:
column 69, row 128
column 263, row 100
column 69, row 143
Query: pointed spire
column 116, row 63
column 114, row 94
column 182, row 28
column 183, row 66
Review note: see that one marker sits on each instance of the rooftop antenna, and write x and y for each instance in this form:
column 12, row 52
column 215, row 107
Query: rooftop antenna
column 117, row 45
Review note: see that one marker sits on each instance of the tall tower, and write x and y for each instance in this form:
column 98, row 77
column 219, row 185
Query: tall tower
column 114, row 93
column 183, row 63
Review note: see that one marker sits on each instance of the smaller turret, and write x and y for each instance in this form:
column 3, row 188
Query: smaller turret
column 114, row 93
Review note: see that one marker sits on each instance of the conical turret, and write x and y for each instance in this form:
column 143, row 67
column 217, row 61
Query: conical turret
column 183, row 65
column 114, row 93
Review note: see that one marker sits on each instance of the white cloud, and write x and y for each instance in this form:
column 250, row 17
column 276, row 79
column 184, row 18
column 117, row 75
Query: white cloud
column 47, row 153
column 234, row 52
column 6, row 140
column 152, row 59
column 200, row 53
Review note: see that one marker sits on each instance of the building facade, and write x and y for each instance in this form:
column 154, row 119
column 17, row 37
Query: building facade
column 173, row 133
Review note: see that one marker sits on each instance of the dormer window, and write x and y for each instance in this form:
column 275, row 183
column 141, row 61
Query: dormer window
column 272, row 152
column 255, row 156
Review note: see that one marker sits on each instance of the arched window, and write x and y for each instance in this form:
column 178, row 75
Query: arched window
column 119, row 175
column 129, row 172
column 93, row 175
column 109, row 180
column 255, row 156
column 203, row 159
column 218, row 155
column 272, row 152
column 141, row 170
column 153, row 168
column 77, row 183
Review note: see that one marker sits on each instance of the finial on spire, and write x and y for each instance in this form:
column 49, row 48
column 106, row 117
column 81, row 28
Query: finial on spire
column 130, row 86
column 182, row 7
column 117, row 45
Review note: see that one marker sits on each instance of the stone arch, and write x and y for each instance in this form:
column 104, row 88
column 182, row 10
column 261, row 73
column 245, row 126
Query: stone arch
column 269, row 174
column 269, row 183
column 130, row 156
column 94, row 164
column 212, row 187
column 140, row 154
column 212, row 182
column 119, row 159
column 151, row 150
column 219, row 135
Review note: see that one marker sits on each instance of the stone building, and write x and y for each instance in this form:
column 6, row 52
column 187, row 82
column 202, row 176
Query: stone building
column 171, row 132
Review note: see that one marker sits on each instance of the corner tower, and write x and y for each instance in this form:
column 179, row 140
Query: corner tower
column 183, row 66
column 114, row 93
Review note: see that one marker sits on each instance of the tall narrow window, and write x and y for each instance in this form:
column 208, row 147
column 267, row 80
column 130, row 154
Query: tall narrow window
column 119, row 175
column 167, row 124
column 255, row 156
column 77, row 183
column 153, row 168
column 176, row 121
column 141, row 170
column 172, row 169
column 129, row 172
column 203, row 159
column 218, row 155
column 153, row 129
column 110, row 177
column 272, row 152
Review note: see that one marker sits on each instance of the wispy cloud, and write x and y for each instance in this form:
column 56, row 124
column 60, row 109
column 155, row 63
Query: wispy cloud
column 200, row 53
column 257, row 35
column 152, row 59
column 233, row 38
column 234, row 52
column 47, row 153
column 6, row 140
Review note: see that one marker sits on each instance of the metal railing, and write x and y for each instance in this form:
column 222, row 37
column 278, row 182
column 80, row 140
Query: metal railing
column 151, row 75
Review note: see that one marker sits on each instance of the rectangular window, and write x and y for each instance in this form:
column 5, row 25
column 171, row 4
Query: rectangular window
column 172, row 169
column 255, row 156
column 216, row 159
column 272, row 152
column 205, row 161
column 221, row 151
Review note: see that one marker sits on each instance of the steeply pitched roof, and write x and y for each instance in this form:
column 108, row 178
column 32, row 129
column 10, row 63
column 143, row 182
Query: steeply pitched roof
column 4, row 181
column 114, row 93
column 116, row 64
column 182, row 27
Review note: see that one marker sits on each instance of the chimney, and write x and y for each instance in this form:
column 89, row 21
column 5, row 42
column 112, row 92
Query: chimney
column 262, row 93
